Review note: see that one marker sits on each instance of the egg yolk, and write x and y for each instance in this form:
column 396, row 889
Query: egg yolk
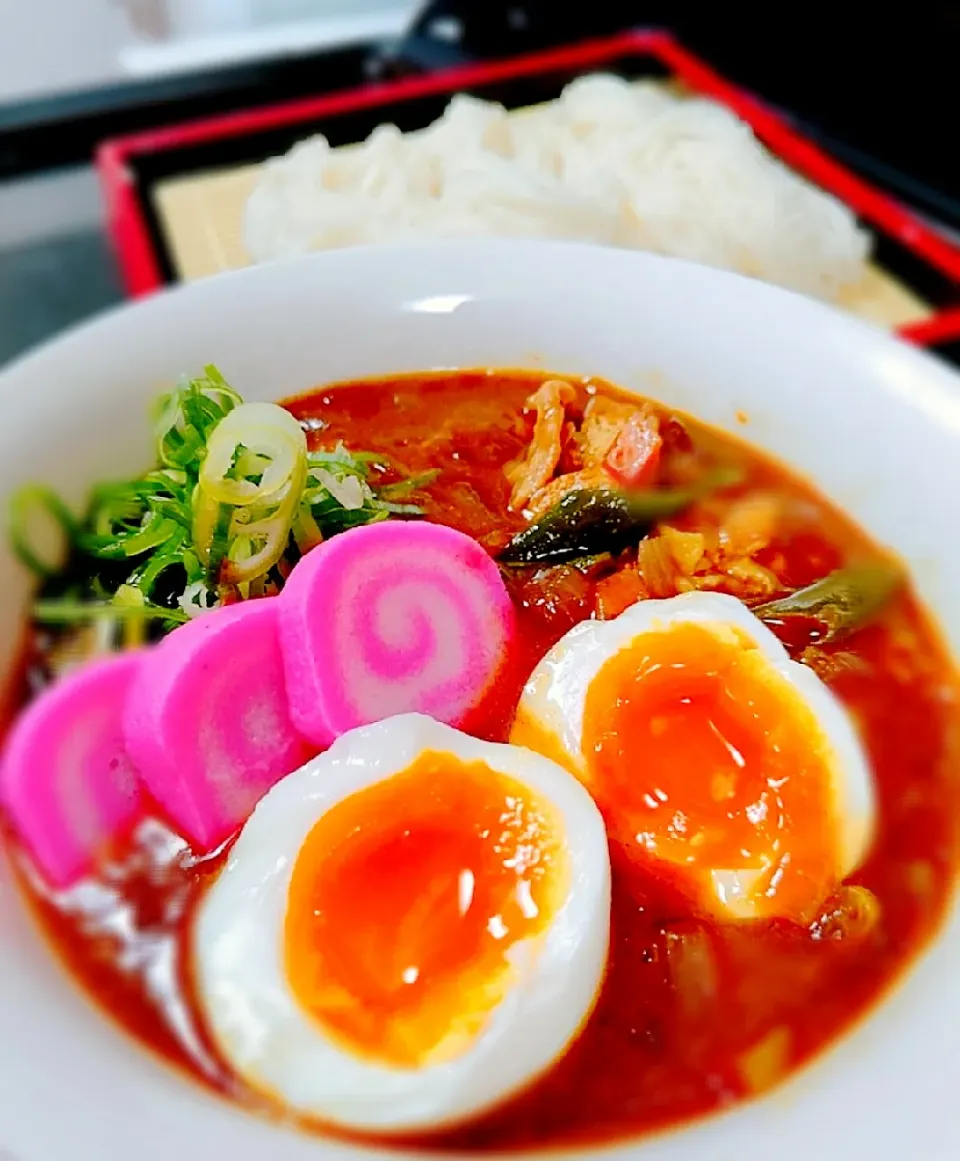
column 405, row 900
column 701, row 754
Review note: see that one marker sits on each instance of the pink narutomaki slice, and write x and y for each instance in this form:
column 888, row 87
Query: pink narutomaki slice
column 207, row 721
column 391, row 618
column 67, row 781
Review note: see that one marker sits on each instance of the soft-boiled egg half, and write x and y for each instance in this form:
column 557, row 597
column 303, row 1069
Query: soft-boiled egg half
column 709, row 751
column 408, row 929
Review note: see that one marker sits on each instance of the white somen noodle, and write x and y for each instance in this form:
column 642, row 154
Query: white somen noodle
column 612, row 162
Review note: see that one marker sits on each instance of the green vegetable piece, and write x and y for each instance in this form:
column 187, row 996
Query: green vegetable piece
column 391, row 492
column 78, row 612
column 173, row 555
column 186, row 416
column 585, row 521
column 590, row 521
column 30, row 502
column 160, row 536
column 844, row 601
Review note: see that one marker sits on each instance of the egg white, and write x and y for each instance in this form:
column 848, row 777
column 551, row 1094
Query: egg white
column 279, row 1048
column 555, row 696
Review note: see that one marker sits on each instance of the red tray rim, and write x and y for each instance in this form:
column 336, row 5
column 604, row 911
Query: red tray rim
column 140, row 268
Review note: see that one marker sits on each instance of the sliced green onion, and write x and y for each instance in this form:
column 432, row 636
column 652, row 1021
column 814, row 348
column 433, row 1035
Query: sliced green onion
column 152, row 533
column 257, row 545
column 235, row 501
column 155, row 534
column 354, row 462
column 73, row 612
column 131, row 600
column 34, row 501
column 349, row 491
column 263, row 430
column 196, row 599
column 145, row 578
column 193, row 566
column 333, row 519
column 173, row 507
column 400, row 509
column 255, row 470
column 363, row 457
column 185, row 417
column 211, row 531
column 306, row 531
column 410, row 484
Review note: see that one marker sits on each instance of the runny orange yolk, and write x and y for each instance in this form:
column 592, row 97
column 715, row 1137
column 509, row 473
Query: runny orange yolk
column 701, row 754
column 405, row 900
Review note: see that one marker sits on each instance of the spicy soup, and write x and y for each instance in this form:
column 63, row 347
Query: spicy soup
column 696, row 1011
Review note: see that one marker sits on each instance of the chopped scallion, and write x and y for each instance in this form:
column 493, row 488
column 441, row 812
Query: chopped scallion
column 235, row 500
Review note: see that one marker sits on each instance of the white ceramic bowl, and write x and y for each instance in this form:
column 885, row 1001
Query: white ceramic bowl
column 874, row 423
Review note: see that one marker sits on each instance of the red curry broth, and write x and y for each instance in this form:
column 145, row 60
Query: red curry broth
column 693, row 1014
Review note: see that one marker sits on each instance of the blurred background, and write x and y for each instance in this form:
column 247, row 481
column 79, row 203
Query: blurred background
column 870, row 86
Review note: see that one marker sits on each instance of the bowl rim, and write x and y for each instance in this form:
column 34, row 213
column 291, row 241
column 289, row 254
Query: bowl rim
column 454, row 251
